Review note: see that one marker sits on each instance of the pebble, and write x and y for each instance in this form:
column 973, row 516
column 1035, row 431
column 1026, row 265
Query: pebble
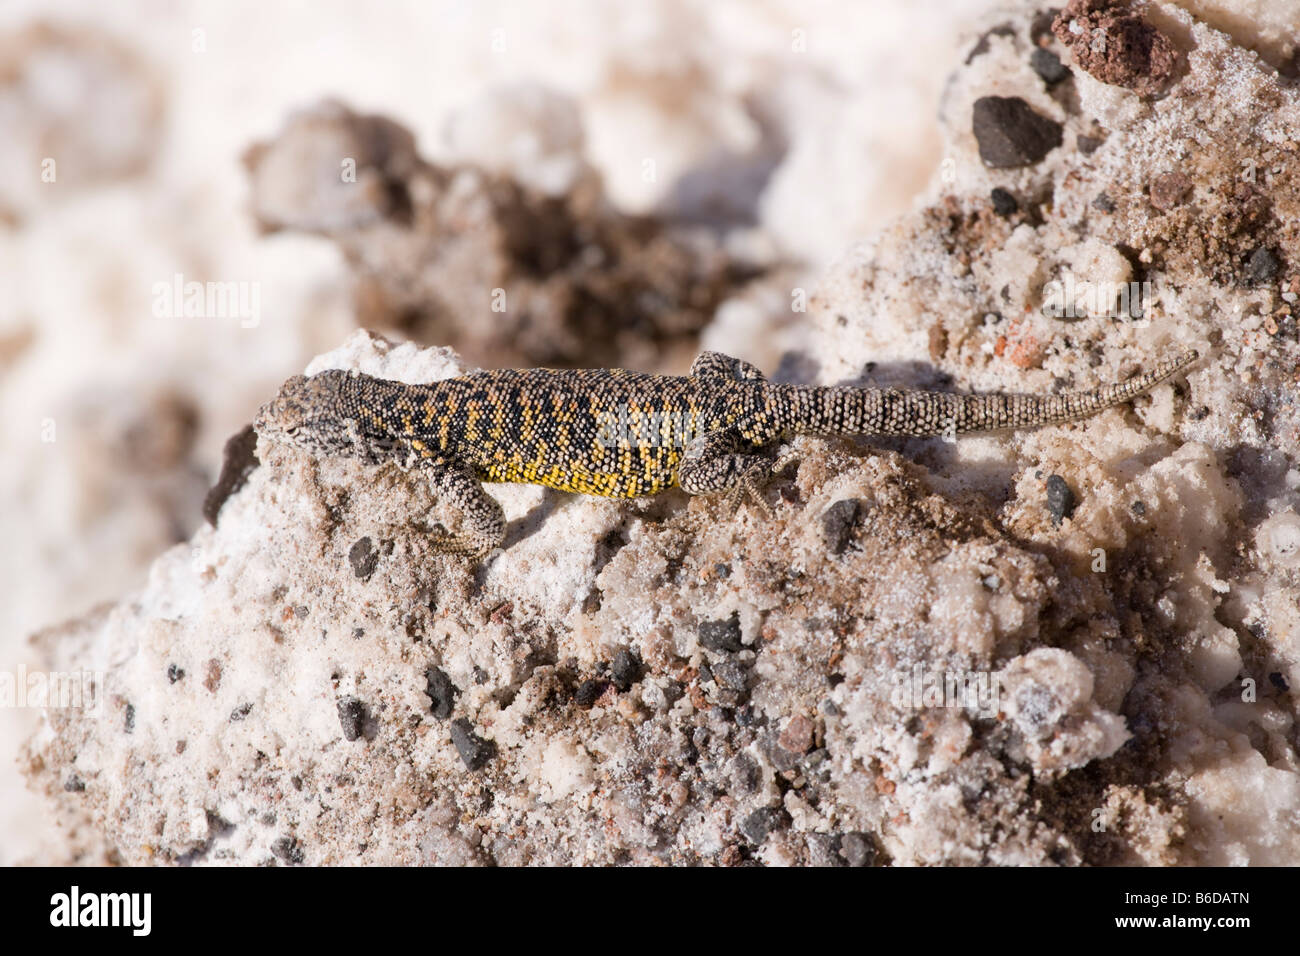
column 626, row 669
column 1060, row 499
column 1010, row 133
column 352, row 717
column 837, row 524
column 474, row 750
column 1048, row 66
column 1262, row 266
column 440, row 691
column 1004, row 204
column 721, row 636
column 797, row 738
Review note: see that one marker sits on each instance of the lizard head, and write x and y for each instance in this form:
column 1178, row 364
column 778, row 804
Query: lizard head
column 310, row 413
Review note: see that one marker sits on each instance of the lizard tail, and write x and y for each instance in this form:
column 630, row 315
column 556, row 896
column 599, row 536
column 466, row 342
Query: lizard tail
column 851, row 410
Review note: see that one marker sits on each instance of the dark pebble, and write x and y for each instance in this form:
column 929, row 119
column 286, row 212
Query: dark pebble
column 174, row 673
column 626, row 669
column 240, row 712
column 1010, row 133
column 74, row 784
column 1004, row 204
column 1139, row 507
column 1049, row 66
column 1278, row 680
column 287, row 849
column 731, row 675
column 858, row 849
column 589, row 692
column 721, row 636
column 761, row 822
column 837, row 524
column 129, row 719
column 363, row 558
column 1088, row 144
column 352, row 717
column 1104, row 203
column 440, row 691
column 1060, row 499
column 746, row 773
column 473, row 749
column 823, row 849
column 1261, row 266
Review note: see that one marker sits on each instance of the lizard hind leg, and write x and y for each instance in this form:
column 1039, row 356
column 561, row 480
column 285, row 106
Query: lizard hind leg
column 719, row 365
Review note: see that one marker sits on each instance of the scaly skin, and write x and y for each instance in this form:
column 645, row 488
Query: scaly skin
column 625, row 434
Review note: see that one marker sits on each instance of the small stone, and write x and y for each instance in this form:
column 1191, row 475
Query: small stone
column 626, row 669
column 288, row 849
column 1116, row 46
column 837, row 524
column 731, row 675
column 474, row 750
column 1104, row 203
column 1262, row 266
column 1048, row 66
column 721, row 636
column 797, row 738
column 352, row 717
column 440, row 691
column 1010, row 133
column 129, row 719
column 589, row 692
column 212, row 675
column 1139, row 508
column 1004, row 204
column 174, row 673
column 858, row 849
column 1169, row 190
column 1060, row 499
column 1088, row 144
column 746, row 773
column 364, row 558
column 1278, row 680
column 240, row 712
column 761, row 822
column 74, row 784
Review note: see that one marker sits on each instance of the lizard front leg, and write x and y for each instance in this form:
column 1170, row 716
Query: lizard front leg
column 483, row 523
column 725, row 462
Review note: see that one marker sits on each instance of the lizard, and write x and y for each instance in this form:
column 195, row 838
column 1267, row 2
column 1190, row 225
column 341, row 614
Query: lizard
column 626, row 434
